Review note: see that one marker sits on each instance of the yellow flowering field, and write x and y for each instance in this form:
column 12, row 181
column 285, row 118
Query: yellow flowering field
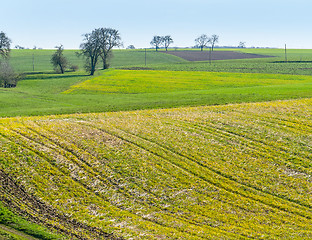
column 237, row 171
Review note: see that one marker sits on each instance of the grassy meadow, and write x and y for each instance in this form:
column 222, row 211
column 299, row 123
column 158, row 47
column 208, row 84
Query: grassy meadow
column 169, row 149
column 116, row 90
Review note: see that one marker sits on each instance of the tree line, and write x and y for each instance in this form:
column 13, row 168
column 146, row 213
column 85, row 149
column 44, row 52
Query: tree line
column 201, row 42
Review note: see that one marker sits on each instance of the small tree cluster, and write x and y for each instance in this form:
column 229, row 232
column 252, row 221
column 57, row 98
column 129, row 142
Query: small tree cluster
column 203, row 41
column 8, row 78
column 99, row 44
column 241, row 45
column 131, row 47
column 159, row 41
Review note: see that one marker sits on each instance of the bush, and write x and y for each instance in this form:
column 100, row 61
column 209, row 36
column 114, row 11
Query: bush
column 74, row 68
column 8, row 78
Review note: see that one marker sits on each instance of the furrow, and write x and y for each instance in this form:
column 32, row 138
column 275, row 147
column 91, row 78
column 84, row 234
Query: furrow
column 229, row 179
column 26, row 204
column 140, row 147
column 212, row 181
column 100, row 195
column 222, row 132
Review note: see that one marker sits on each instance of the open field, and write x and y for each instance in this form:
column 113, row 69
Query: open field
column 233, row 172
column 115, row 90
column 214, row 55
column 203, row 172
column 23, row 60
column 300, row 61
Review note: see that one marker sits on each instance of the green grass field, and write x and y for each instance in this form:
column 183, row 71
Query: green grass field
column 39, row 60
column 115, row 90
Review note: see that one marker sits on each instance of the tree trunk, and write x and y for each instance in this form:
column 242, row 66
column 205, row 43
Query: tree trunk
column 93, row 65
column 105, row 63
column 92, row 71
column 61, row 68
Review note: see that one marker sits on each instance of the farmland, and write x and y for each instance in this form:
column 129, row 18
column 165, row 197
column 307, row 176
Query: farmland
column 167, row 150
column 236, row 171
column 39, row 60
column 299, row 61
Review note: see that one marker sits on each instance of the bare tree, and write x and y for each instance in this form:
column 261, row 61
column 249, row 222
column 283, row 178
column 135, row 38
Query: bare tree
column 202, row 41
column 19, row 47
column 58, row 60
column 131, row 47
column 242, row 45
column 108, row 38
column 5, row 44
column 213, row 40
column 167, row 40
column 156, row 41
column 91, row 50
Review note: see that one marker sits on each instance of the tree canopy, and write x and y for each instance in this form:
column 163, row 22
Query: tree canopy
column 99, row 43
column 213, row 40
column 167, row 40
column 202, row 41
column 108, row 38
column 58, row 60
column 156, row 41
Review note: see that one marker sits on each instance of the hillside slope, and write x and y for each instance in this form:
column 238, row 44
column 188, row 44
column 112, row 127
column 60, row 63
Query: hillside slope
column 234, row 172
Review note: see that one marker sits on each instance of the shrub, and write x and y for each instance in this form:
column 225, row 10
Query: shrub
column 8, row 78
column 74, row 68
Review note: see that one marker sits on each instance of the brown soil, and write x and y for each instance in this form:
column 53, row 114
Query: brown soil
column 190, row 55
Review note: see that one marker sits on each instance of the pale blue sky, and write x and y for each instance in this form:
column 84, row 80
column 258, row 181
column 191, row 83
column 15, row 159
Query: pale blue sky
column 266, row 23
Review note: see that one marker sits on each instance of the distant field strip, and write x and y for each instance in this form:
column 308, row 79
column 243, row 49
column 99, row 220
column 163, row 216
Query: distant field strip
column 215, row 55
column 139, row 81
column 219, row 172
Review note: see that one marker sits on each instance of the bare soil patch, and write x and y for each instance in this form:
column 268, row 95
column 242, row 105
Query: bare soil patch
column 190, row 55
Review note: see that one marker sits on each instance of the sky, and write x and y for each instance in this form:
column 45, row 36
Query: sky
column 266, row 23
